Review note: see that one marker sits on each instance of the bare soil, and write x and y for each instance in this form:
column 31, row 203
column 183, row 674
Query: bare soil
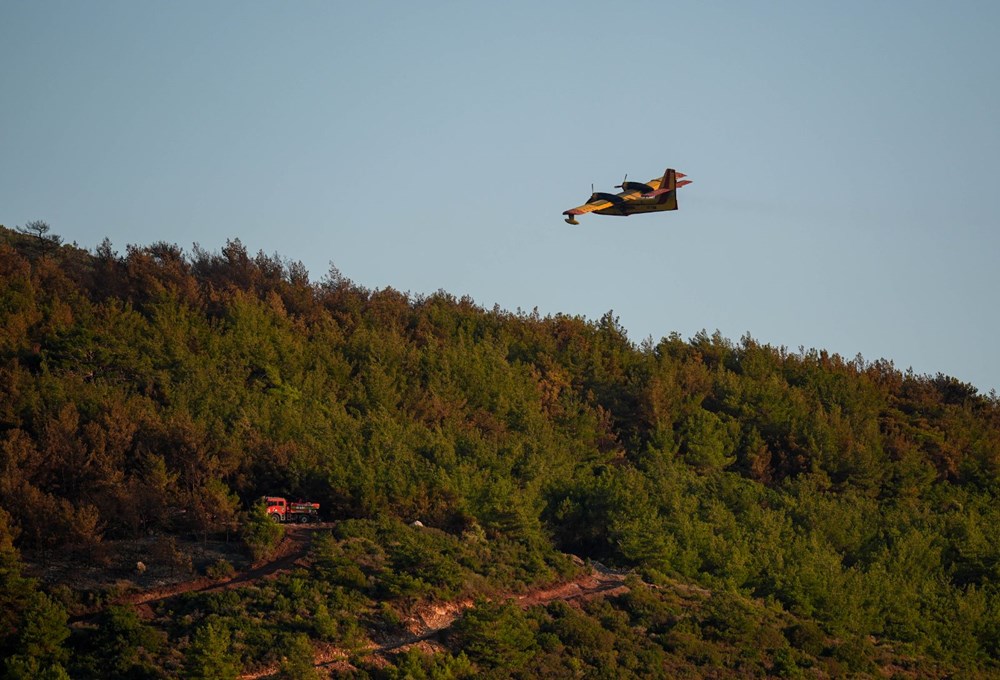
column 289, row 553
column 169, row 573
column 432, row 620
column 168, row 568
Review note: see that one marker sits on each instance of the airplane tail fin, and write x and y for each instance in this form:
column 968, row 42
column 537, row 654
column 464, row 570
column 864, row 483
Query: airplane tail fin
column 667, row 193
column 669, row 181
column 669, row 186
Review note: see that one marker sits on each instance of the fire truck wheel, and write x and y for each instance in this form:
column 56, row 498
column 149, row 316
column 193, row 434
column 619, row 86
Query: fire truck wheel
column 304, row 519
column 275, row 516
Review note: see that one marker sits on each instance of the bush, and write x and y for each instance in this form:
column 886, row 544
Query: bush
column 299, row 658
column 806, row 636
column 261, row 534
column 857, row 654
column 495, row 635
column 210, row 655
column 222, row 569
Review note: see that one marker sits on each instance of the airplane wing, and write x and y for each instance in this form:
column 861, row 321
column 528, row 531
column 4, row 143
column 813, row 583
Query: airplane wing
column 599, row 204
column 589, row 206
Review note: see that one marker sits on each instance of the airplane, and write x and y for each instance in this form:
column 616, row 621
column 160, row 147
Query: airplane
column 656, row 195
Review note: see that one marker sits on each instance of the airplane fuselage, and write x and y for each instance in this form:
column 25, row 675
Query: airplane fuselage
column 633, row 202
column 638, row 205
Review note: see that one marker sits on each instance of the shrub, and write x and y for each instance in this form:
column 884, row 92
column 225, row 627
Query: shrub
column 806, row 636
column 261, row 534
column 495, row 635
column 210, row 655
column 299, row 658
column 220, row 570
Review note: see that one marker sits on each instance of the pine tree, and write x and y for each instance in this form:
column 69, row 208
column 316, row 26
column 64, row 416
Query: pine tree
column 32, row 626
column 209, row 656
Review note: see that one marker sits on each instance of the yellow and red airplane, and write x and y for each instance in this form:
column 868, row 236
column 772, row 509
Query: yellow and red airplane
column 656, row 195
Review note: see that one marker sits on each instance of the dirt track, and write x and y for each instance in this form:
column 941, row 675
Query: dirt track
column 292, row 548
column 434, row 619
column 423, row 626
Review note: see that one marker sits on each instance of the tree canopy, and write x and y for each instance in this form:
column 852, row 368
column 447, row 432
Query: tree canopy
column 161, row 392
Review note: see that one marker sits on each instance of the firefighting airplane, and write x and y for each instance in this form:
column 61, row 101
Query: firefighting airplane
column 656, row 195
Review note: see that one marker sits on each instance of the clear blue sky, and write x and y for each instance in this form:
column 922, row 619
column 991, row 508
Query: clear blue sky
column 845, row 155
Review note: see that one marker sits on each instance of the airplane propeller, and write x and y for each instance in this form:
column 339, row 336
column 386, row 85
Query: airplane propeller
column 622, row 185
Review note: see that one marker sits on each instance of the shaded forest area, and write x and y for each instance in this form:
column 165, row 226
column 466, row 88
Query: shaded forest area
column 838, row 508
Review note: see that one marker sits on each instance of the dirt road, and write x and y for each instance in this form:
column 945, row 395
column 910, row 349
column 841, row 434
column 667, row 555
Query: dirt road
column 424, row 625
column 294, row 547
column 432, row 620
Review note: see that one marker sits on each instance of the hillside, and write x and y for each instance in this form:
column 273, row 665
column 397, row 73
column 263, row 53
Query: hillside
column 779, row 513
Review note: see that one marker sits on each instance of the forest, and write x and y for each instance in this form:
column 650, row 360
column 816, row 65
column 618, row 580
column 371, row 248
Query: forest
column 777, row 513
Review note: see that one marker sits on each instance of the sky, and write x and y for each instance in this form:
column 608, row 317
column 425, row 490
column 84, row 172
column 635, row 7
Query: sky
column 844, row 155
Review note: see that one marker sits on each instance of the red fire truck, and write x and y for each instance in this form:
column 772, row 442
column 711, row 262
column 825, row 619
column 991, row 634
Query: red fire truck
column 281, row 510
